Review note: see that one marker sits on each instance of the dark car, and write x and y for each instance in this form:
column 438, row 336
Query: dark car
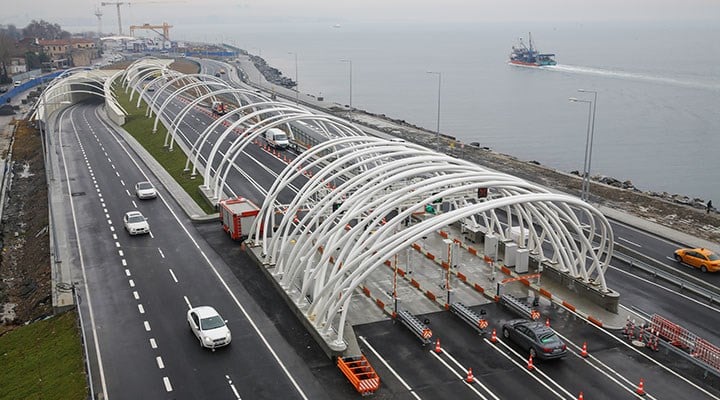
column 535, row 337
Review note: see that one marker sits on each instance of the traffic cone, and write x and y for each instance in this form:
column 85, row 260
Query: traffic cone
column 493, row 338
column 547, row 322
column 641, row 388
column 438, row 350
column 580, row 396
column 584, row 352
column 470, row 378
column 530, row 365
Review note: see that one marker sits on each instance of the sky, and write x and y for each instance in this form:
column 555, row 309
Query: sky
column 74, row 14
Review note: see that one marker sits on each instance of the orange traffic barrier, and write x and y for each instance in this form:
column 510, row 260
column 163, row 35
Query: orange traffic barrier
column 493, row 338
column 360, row 373
column 641, row 388
column 530, row 365
column 584, row 351
column 470, row 378
column 580, row 396
column 438, row 349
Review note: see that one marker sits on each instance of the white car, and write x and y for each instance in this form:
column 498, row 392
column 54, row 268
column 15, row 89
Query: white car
column 145, row 190
column 209, row 327
column 136, row 223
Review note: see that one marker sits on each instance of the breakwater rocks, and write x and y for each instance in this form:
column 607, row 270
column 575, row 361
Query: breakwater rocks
column 272, row 74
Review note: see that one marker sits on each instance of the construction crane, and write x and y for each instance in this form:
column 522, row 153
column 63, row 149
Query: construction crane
column 117, row 4
column 165, row 29
column 98, row 14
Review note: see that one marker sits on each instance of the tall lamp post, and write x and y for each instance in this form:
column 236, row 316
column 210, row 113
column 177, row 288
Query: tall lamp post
column 349, row 62
column 297, row 84
column 586, row 167
column 437, row 135
column 592, row 135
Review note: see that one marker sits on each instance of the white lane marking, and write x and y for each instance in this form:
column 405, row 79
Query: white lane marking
column 684, row 296
column 93, row 329
column 107, row 216
column 153, row 343
column 160, row 363
column 631, row 385
column 109, row 222
column 132, row 283
column 523, row 367
column 232, row 386
column 123, row 262
column 117, row 173
column 112, row 229
column 122, row 182
column 173, row 275
column 100, row 196
column 187, row 302
column 113, row 166
column 96, row 186
column 161, row 253
column 134, row 205
column 141, row 309
column 127, row 272
column 168, row 386
column 147, row 325
column 462, row 368
column 451, row 369
column 151, row 235
column 128, row 192
column 117, row 244
column 114, row 236
column 120, row 253
column 225, row 285
column 627, row 241
column 136, row 295
column 385, row 363
column 97, row 190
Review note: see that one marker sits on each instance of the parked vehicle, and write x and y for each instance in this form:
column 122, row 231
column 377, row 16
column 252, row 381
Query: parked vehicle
column 534, row 336
column 145, row 190
column 701, row 258
column 218, row 108
column 209, row 327
column 276, row 138
column 136, row 223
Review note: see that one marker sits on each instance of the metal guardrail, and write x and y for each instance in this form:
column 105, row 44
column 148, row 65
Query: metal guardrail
column 682, row 284
column 516, row 305
column 415, row 326
column 466, row 314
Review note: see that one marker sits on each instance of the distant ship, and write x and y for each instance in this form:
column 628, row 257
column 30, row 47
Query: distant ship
column 529, row 56
column 337, row 26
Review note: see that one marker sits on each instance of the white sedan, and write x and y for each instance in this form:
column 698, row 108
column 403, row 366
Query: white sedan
column 145, row 190
column 209, row 327
column 136, row 223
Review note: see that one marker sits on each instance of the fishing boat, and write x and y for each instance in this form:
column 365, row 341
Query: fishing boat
column 527, row 55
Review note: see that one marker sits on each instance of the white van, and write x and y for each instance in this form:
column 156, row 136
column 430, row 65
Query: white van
column 277, row 138
column 18, row 83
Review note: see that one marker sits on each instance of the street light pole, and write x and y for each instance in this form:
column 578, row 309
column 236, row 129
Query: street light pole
column 592, row 134
column 297, row 84
column 349, row 62
column 437, row 135
column 586, row 168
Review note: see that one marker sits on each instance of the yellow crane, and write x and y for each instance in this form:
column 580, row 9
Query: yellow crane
column 117, row 4
column 165, row 29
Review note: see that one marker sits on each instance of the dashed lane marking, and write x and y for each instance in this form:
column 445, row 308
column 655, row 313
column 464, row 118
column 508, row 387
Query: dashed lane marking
column 153, row 343
column 136, row 295
column 173, row 275
column 168, row 386
column 147, row 325
column 132, row 283
column 161, row 253
column 627, row 241
column 160, row 363
column 141, row 308
column 187, row 302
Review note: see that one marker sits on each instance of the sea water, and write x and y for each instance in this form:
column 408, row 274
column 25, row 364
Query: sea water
column 657, row 117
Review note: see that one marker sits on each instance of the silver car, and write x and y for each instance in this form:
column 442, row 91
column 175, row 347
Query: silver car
column 145, row 190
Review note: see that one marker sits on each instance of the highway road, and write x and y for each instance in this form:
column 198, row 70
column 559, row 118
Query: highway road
column 138, row 289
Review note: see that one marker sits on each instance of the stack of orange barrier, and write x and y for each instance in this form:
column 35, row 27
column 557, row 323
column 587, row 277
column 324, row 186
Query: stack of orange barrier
column 360, row 373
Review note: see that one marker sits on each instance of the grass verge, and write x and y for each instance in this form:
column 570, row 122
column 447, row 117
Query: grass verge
column 140, row 127
column 43, row 360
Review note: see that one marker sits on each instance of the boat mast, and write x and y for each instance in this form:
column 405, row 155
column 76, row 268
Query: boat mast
column 530, row 39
